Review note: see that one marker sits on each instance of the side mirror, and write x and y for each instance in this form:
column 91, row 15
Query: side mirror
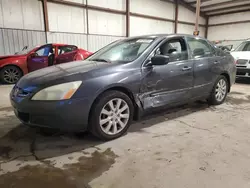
column 32, row 54
column 232, row 50
column 159, row 60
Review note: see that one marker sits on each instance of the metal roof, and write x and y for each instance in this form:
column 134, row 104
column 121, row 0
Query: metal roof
column 220, row 7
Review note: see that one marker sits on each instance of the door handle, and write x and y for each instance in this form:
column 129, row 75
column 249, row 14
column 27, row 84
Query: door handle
column 216, row 62
column 186, row 68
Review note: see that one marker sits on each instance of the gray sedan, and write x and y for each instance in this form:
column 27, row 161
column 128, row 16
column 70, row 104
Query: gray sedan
column 118, row 83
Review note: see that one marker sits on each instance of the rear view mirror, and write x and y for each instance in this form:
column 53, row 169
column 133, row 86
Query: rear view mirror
column 159, row 60
column 198, row 52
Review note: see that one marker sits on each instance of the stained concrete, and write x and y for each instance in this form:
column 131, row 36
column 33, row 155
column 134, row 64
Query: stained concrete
column 194, row 146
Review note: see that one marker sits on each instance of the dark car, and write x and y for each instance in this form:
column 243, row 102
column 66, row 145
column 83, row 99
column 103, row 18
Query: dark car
column 121, row 81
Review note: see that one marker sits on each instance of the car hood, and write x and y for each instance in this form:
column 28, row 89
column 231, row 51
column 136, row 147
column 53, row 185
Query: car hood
column 241, row 55
column 11, row 56
column 60, row 73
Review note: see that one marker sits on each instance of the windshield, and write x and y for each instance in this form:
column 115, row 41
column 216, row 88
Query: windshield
column 123, row 51
column 26, row 50
column 245, row 46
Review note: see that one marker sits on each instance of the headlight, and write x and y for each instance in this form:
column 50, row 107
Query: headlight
column 58, row 92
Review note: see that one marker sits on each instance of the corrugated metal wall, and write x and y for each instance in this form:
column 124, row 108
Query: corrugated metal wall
column 13, row 40
column 21, row 23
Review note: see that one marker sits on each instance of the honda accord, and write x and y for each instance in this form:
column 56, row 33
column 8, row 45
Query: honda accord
column 121, row 81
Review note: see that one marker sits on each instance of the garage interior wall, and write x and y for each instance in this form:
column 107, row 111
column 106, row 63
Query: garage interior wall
column 22, row 22
column 238, row 24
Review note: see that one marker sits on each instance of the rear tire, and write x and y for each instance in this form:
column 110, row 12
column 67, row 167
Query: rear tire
column 111, row 115
column 219, row 92
column 10, row 74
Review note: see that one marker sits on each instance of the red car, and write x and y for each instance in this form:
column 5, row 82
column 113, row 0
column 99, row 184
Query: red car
column 13, row 67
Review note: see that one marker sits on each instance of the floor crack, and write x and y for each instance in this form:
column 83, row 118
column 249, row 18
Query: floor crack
column 184, row 123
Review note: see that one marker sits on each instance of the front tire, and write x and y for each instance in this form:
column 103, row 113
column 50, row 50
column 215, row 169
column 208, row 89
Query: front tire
column 10, row 74
column 111, row 115
column 219, row 92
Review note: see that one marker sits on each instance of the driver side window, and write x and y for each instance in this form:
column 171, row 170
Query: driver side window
column 176, row 49
column 44, row 51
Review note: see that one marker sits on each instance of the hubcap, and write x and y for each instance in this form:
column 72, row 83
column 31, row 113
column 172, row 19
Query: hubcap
column 114, row 116
column 11, row 75
column 221, row 90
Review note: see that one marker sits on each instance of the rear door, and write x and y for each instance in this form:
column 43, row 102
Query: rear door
column 38, row 59
column 66, row 54
column 171, row 83
column 206, row 63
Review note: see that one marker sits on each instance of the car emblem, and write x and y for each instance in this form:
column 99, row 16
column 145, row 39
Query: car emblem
column 15, row 92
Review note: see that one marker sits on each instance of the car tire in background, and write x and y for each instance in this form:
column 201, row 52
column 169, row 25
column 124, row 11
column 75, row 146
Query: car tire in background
column 10, row 74
column 111, row 115
column 219, row 92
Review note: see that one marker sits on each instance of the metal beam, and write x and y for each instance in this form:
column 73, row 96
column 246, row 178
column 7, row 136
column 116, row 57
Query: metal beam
column 230, row 23
column 230, row 12
column 227, row 8
column 176, row 16
column 223, row 3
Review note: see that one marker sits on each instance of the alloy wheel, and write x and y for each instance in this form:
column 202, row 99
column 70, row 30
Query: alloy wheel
column 114, row 116
column 11, row 75
column 221, row 90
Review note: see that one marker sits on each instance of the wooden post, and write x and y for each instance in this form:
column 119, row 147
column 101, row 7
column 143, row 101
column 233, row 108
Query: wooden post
column 127, row 18
column 198, row 3
column 176, row 16
column 46, row 18
column 206, row 29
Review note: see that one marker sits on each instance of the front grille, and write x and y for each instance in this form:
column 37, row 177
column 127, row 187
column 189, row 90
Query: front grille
column 238, row 66
column 242, row 61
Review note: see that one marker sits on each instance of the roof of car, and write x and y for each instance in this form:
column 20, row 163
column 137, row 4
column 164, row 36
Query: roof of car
column 165, row 35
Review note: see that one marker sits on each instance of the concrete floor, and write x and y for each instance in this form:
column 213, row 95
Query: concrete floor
column 195, row 146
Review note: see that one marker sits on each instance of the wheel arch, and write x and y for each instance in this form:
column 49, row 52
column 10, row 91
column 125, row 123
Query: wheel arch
column 125, row 90
column 228, row 79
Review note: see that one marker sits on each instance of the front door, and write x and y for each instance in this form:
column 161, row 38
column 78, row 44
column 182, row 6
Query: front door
column 171, row 83
column 39, row 59
column 66, row 54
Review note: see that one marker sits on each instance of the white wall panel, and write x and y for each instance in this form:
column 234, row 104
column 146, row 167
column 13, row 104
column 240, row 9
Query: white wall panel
column 106, row 23
column 32, row 15
column 229, row 18
column 12, row 40
column 22, row 14
column 189, row 29
column 96, row 42
column 185, row 29
column 77, row 1
column 79, row 40
column 229, row 32
column 189, row 16
column 112, row 4
column 153, row 7
column 64, row 18
column 143, row 26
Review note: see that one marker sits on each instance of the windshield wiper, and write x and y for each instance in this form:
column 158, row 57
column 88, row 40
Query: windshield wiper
column 101, row 60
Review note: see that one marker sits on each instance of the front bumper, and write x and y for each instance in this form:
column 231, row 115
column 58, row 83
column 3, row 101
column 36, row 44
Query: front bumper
column 243, row 72
column 68, row 115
